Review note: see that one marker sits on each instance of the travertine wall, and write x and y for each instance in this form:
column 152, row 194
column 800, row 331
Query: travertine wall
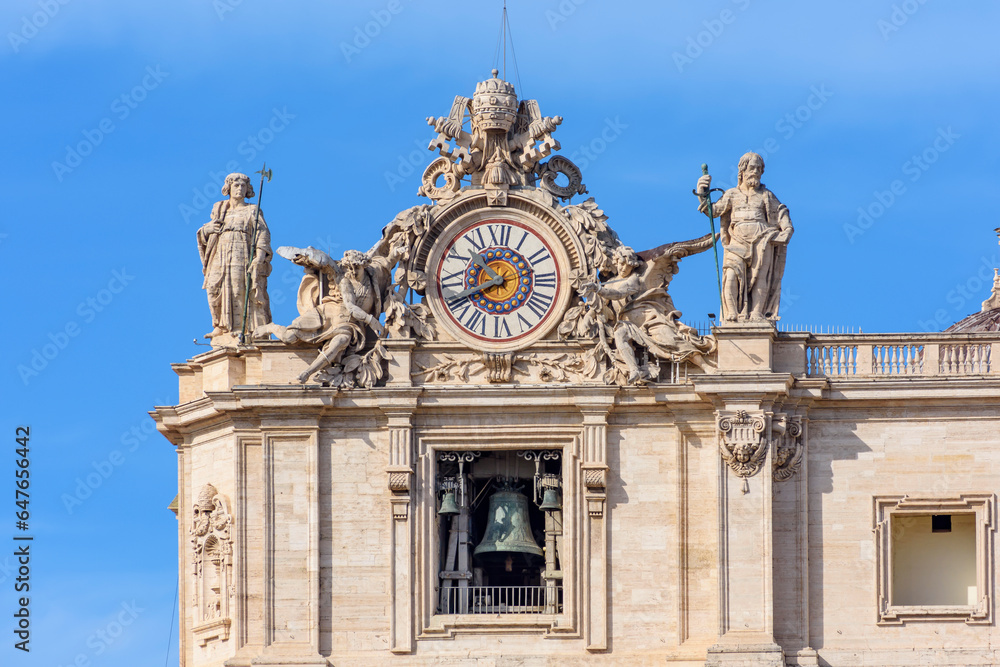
column 355, row 542
column 856, row 454
column 321, row 532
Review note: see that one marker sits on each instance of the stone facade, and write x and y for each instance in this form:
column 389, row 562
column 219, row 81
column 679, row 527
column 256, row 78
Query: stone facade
column 738, row 497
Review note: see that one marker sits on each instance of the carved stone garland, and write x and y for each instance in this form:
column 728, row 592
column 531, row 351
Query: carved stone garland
column 743, row 444
column 213, row 560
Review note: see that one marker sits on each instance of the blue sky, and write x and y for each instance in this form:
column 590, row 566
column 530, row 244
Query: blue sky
column 122, row 118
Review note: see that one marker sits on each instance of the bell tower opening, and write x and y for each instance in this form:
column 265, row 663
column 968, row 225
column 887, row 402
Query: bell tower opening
column 500, row 531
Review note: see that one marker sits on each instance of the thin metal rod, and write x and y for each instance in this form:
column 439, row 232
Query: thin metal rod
column 253, row 253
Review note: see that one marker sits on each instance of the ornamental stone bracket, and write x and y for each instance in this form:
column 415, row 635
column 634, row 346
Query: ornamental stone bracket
column 595, row 489
column 788, row 446
column 743, row 443
column 745, row 438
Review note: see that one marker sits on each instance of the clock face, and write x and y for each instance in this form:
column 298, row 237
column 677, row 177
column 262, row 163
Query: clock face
column 499, row 281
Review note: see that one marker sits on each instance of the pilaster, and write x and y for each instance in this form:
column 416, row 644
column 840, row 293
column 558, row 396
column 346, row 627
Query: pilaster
column 595, row 407
column 399, row 406
column 291, row 544
column 745, row 391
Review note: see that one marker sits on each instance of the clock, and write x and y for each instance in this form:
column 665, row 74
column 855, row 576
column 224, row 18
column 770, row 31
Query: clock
column 497, row 283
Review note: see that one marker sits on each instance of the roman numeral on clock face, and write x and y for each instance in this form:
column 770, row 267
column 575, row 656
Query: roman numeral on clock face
column 453, row 281
column 500, row 327
column 457, row 302
column 538, row 303
column 540, row 256
column 545, row 279
column 454, row 256
column 476, row 239
column 499, row 234
column 476, row 322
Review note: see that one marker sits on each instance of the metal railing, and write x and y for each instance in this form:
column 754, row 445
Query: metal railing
column 502, row 600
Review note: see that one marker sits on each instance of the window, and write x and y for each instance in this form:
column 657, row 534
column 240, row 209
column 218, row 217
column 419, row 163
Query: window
column 935, row 558
column 546, row 592
column 500, row 532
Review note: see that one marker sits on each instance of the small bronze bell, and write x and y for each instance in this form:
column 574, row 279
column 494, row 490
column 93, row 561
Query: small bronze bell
column 550, row 501
column 508, row 530
column 448, row 505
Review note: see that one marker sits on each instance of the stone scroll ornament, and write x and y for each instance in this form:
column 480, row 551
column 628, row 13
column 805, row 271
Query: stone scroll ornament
column 505, row 146
column 626, row 308
column 755, row 229
column 212, row 545
column 743, row 444
column 347, row 307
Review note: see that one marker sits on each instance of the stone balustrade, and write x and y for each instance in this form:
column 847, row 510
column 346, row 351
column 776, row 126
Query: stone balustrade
column 902, row 355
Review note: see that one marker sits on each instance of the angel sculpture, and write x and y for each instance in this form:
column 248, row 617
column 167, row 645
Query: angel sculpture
column 339, row 305
column 643, row 312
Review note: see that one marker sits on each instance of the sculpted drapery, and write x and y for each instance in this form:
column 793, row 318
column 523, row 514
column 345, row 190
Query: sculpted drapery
column 226, row 244
column 755, row 229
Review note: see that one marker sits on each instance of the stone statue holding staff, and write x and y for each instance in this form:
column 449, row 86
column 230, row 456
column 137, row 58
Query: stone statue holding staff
column 755, row 229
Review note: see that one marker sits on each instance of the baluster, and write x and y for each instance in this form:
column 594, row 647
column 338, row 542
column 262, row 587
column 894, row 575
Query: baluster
column 854, row 360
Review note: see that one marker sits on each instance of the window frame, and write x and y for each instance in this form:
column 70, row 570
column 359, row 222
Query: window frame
column 885, row 508
column 566, row 624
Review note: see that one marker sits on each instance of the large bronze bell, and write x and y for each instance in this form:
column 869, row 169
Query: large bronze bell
column 508, row 530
